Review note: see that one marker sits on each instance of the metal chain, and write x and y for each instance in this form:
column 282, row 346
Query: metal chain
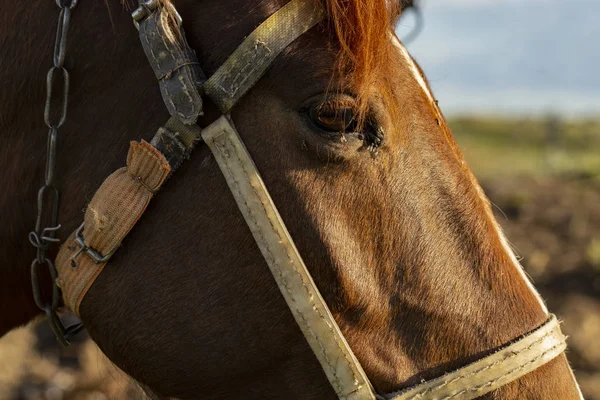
column 46, row 224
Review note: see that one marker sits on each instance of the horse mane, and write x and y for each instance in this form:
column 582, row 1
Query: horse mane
column 363, row 29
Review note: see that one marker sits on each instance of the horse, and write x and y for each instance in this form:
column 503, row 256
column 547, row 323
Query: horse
column 349, row 139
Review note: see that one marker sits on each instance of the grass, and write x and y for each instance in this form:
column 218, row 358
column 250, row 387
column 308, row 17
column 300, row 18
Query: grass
column 529, row 146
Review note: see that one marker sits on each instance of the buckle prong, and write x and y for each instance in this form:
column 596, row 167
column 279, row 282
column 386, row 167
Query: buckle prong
column 146, row 8
column 93, row 254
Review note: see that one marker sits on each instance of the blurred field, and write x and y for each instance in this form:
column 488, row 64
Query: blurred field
column 544, row 176
column 34, row 367
column 537, row 147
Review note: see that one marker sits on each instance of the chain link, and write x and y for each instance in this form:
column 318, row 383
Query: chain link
column 70, row 4
column 46, row 224
column 52, row 80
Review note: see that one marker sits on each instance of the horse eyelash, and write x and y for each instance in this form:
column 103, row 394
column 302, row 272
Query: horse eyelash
column 371, row 132
column 373, row 135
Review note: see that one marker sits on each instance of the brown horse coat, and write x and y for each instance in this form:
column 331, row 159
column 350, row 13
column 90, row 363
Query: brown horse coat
column 402, row 245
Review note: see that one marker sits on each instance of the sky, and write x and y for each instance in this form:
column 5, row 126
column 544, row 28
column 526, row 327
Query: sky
column 511, row 56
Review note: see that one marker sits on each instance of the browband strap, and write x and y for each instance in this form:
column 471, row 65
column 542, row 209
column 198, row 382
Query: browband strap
column 254, row 56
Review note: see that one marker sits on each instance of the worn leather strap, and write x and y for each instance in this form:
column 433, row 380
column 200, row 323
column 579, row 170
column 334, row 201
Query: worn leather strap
column 496, row 370
column 300, row 292
column 173, row 61
column 176, row 140
column 248, row 63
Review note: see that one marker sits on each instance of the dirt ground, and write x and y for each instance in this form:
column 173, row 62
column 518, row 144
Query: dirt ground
column 554, row 225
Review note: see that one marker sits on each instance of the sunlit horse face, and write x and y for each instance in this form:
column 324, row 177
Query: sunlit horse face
column 368, row 179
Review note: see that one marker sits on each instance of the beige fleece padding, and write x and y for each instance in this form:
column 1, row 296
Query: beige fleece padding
column 114, row 210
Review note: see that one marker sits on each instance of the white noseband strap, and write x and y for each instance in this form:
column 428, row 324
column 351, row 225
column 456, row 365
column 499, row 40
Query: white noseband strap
column 494, row 371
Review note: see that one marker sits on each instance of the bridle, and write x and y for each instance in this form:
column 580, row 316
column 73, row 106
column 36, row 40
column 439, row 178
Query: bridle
column 123, row 197
column 415, row 7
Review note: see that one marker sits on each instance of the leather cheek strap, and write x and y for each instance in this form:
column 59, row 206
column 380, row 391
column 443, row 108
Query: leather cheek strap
column 293, row 278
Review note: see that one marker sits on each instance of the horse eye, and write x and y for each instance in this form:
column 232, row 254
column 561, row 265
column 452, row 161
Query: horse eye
column 333, row 117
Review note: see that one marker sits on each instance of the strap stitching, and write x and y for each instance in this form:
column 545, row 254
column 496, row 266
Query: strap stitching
column 491, row 383
column 235, row 86
column 180, row 78
column 470, row 374
column 248, row 208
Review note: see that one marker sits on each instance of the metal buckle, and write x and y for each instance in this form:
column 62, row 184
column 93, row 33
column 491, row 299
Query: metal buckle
column 147, row 7
column 95, row 255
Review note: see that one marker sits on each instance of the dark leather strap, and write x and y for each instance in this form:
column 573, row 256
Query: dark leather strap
column 176, row 140
column 174, row 63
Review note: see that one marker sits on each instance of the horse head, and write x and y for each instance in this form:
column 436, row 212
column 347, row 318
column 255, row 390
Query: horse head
column 392, row 225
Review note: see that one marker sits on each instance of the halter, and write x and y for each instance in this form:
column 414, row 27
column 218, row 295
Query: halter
column 123, row 197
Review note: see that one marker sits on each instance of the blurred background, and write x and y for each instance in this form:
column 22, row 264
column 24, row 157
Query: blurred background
column 520, row 85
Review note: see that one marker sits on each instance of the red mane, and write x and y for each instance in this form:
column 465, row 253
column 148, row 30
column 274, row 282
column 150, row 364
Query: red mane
column 363, row 29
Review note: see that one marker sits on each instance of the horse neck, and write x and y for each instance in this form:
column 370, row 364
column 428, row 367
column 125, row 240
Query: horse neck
column 21, row 155
column 91, row 144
